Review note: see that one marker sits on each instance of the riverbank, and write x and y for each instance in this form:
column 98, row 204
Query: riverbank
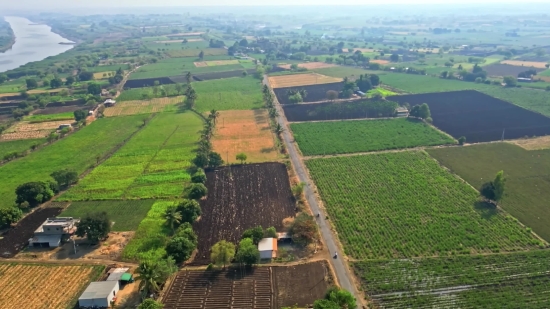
column 7, row 36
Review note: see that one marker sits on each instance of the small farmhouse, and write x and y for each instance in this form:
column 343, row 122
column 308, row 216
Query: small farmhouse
column 268, row 248
column 402, row 112
column 121, row 275
column 99, row 294
column 109, row 103
column 53, row 232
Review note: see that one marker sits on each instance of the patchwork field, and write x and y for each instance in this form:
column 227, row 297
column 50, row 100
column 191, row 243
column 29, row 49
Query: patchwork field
column 500, row 69
column 195, row 52
column 215, row 63
column 166, row 104
column 126, row 215
column 28, row 130
column 90, row 143
column 516, row 280
column 537, row 143
column 336, row 137
column 478, row 117
column 315, row 93
column 21, row 280
column 8, row 147
column 296, row 80
column 527, row 64
column 404, row 205
column 526, row 196
column 244, row 131
column 236, row 93
column 339, row 110
column 241, row 197
column 309, row 65
column 104, row 75
column 151, row 165
column 52, row 117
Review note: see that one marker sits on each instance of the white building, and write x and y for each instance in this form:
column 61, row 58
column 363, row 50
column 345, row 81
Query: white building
column 99, row 294
column 268, row 248
column 53, row 232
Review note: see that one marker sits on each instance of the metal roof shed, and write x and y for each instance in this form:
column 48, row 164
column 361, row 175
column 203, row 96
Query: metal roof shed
column 99, row 294
column 268, row 248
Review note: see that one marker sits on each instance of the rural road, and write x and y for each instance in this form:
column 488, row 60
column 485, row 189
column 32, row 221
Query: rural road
column 342, row 272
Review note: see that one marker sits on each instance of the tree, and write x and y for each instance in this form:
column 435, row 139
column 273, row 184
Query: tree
column 31, row 83
column 173, row 217
column 199, row 176
column 303, row 229
column 80, row 114
column 420, row 111
column 247, row 253
column 197, row 191
column 149, row 278
column 65, row 177
column 179, row 87
column 201, row 55
column 344, row 299
column 332, row 95
column 9, row 215
column 189, row 210
column 94, row 88
column 85, row 76
column 547, row 65
column 364, row 84
column 255, row 233
column 461, row 140
column 325, row 304
column 394, row 58
column 241, row 157
column 188, row 77
column 222, row 253
column 3, row 78
column 374, row 79
column 494, row 190
column 201, row 160
column 270, row 232
column 182, row 245
column 150, row 303
column 510, row 81
column 95, row 226
column 214, row 159
column 295, row 98
column 214, row 114
column 56, row 82
column 34, row 193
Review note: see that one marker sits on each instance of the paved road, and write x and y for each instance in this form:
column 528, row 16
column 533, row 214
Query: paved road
column 342, row 273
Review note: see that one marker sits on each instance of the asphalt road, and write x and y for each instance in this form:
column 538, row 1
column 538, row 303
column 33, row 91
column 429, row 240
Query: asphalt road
column 342, row 273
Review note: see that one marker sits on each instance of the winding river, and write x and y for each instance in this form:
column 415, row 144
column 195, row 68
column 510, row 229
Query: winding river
column 32, row 43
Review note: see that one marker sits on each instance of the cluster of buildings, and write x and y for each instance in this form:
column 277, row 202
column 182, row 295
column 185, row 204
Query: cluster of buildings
column 101, row 294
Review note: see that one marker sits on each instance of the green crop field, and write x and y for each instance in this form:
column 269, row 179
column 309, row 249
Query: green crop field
column 195, row 52
column 50, row 117
column 77, row 151
column 516, row 280
column 402, row 205
column 138, row 93
column 152, row 164
column 179, row 66
column 336, row 137
column 151, row 236
column 545, row 73
column 342, row 71
column 126, row 215
column 527, row 193
column 235, row 93
column 7, row 147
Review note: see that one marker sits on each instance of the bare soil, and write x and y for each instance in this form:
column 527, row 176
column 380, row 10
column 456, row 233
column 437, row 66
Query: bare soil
column 310, row 65
column 537, row 143
column 526, row 64
column 297, row 80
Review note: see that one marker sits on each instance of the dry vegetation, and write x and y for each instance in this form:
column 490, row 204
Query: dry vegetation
column 310, row 65
column 142, row 106
column 244, row 131
column 178, row 41
column 380, row 61
column 527, row 64
column 538, row 143
column 26, row 130
column 215, row 63
column 301, row 80
column 104, row 75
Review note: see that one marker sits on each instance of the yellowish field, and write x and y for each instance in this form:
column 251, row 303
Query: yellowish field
column 142, row 106
column 364, row 50
column 379, row 61
column 186, row 34
column 301, row 80
column 214, row 63
column 244, row 131
column 536, row 143
column 26, row 130
column 32, row 286
column 538, row 65
column 310, row 65
column 99, row 75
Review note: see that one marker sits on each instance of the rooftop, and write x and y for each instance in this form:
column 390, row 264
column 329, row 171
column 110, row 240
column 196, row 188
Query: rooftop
column 268, row 244
column 101, row 289
column 66, row 223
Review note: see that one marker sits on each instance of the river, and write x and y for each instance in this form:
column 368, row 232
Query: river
column 32, row 43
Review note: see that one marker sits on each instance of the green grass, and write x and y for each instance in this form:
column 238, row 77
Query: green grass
column 150, row 237
column 77, row 151
column 526, row 196
column 237, row 93
column 545, row 73
column 341, row 71
column 497, row 281
column 403, row 205
column 7, row 147
column 336, row 137
column 137, row 93
column 151, row 165
column 50, row 117
column 126, row 215
column 179, row 66
column 107, row 68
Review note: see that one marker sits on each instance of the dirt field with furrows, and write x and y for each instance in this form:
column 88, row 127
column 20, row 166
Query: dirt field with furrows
column 141, row 106
column 310, row 65
column 26, row 130
column 241, row 197
column 499, row 69
column 297, row 80
column 215, row 63
column 33, row 286
column 527, row 64
column 260, row 287
column 379, row 61
column 244, row 131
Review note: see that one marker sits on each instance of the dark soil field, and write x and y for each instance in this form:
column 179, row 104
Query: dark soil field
column 499, row 69
column 260, row 287
column 18, row 237
column 315, row 93
column 339, row 110
column 220, row 75
column 477, row 116
column 147, row 82
column 240, row 197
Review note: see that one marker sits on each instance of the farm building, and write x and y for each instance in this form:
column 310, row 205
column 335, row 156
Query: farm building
column 120, row 275
column 524, row 80
column 99, row 294
column 268, row 248
column 402, row 112
column 53, row 231
column 109, row 103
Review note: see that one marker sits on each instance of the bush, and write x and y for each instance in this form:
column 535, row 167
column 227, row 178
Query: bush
column 34, row 193
column 9, row 215
column 197, row 191
column 199, row 177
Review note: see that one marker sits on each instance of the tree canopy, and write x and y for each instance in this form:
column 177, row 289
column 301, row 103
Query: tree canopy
column 96, row 226
column 190, row 210
column 255, row 233
column 34, row 193
column 65, row 177
column 494, row 190
column 222, row 253
column 182, row 245
column 303, row 229
column 247, row 253
column 150, row 303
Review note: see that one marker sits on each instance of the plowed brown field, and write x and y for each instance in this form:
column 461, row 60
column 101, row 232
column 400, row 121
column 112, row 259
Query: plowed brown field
column 526, row 64
column 26, row 130
column 215, row 63
column 301, row 80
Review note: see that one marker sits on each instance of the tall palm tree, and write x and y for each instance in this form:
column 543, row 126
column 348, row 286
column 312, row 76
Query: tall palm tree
column 214, row 115
column 173, row 217
column 188, row 77
column 279, row 128
column 273, row 113
column 148, row 277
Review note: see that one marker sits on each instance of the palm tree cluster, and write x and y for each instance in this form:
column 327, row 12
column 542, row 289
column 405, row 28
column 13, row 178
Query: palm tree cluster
column 273, row 113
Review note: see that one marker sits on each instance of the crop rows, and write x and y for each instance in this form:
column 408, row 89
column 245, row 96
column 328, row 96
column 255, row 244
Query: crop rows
column 7, row 147
column 320, row 138
column 400, row 205
column 152, row 164
column 238, row 93
column 517, row 280
column 144, row 106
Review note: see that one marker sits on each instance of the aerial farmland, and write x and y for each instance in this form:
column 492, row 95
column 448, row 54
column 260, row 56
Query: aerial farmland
column 228, row 158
